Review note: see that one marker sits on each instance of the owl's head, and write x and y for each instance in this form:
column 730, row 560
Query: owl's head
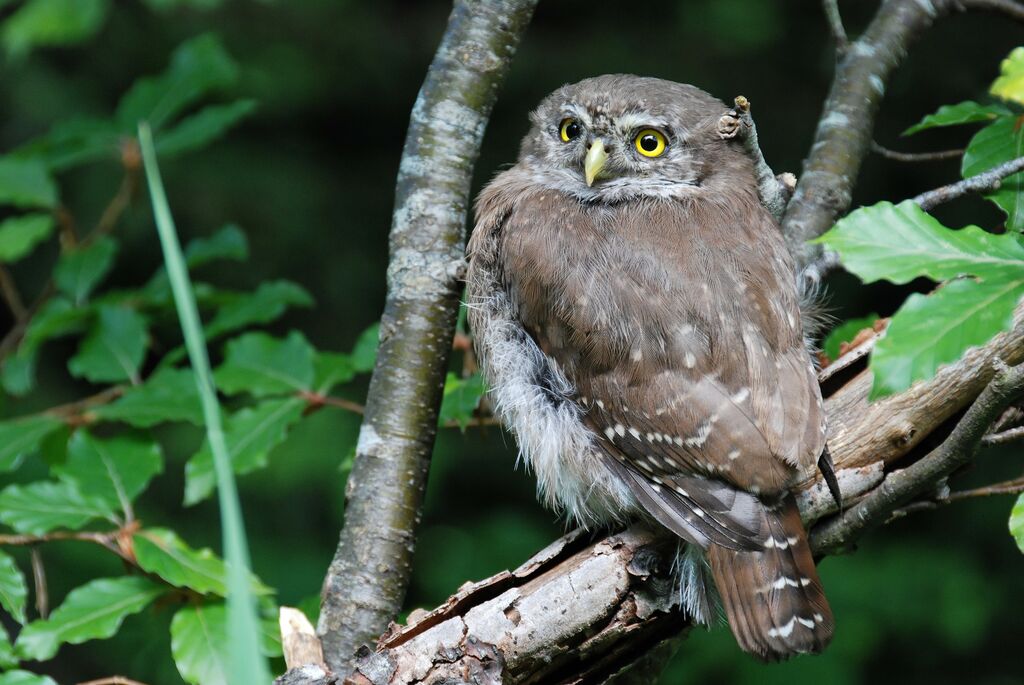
column 620, row 137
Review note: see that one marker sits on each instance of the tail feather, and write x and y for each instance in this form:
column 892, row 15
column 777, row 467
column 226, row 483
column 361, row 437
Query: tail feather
column 773, row 597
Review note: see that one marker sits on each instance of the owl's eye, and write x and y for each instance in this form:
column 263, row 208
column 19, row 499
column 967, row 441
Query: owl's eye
column 569, row 129
column 650, row 143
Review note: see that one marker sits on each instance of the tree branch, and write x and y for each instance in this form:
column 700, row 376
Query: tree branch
column 1011, row 8
column 986, row 182
column 1003, row 437
column 901, row 487
column 915, row 157
column 844, row 129
column 366, row 581
column 835, row 24
column 514, row 627
column 773, row 190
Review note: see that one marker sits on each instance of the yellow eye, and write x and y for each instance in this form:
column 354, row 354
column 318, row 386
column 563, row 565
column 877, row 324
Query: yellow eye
column 650, row 143
column 569, row 129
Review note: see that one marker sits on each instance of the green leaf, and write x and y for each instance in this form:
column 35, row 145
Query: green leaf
column 202, row 128
column 71, row 143
column 250, row 434
column 25, row 678
column 19, row 235
column 23, row 436
column 993, row 145
column 228, row 242
column 1010, row 84
column 364, row 354
column 902, row 242
column 114, row 348
column 52, row 22
column 90, row 612
column 56, row 318
column 162, row 552
column 168, row 395
column 954, row 115
column 461, row 398
column 261, row 365
column 199, row 644
column 929, row 331
column 331, row 369
column 845, row 333
column 12, row 588
column 8, row 659
column 263, row 305
column 26, row 183
column 115, row 470
column 197, row 67
column 80, row 270
column 168, row 5
column 38, row 508
column 1017, row 521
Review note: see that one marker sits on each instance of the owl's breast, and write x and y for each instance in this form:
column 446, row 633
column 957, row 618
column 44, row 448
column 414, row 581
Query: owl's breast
column 598, row 284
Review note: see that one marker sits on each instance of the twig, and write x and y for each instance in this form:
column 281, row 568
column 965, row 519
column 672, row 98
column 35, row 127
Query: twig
column 106, row 539
column 986, row 182
column 901, row 486
column 1010, row 487
column 116, row 207
column 1003, row 437
column 773, row 190
column 39, row 583
column 835, row 24
column 1011, row 8
column 367, row 579
column 844, row 129
column 914, row 157
column 112, row 680
column 11, row 295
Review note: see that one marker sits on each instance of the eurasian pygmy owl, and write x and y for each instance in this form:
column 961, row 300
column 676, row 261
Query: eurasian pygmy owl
column 636, row 314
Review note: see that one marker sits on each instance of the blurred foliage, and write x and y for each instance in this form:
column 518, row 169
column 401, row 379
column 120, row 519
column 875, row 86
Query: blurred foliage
column 307, row 103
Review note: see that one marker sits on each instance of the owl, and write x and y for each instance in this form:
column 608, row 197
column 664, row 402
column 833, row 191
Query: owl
column 637, row 318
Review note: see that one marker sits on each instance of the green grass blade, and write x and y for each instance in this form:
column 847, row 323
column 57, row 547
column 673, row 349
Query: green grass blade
column 248, row 666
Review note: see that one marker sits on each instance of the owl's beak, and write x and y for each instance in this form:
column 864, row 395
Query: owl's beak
column 594, row 162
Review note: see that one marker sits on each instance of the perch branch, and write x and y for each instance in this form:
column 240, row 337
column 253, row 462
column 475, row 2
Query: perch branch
column 986, row 182
column 514, row 627
column 915, row 157
column 366, row 581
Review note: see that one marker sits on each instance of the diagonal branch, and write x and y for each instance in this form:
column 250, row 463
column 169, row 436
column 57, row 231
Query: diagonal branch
column 902, row 486
column 986, row 182
column 367, row 579
column 844, row 130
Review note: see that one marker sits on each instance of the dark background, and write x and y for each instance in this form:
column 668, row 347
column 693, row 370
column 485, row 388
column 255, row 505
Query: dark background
column 932, row 598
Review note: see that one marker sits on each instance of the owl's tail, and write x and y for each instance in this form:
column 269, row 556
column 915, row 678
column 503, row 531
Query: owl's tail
column 773, row 597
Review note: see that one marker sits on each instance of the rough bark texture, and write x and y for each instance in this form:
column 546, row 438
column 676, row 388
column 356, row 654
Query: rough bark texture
column 844, row 130
column 580, row 611
column 366, row 582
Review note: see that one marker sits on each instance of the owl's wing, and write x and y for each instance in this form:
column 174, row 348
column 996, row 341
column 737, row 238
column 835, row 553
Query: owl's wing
column 695, row 452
